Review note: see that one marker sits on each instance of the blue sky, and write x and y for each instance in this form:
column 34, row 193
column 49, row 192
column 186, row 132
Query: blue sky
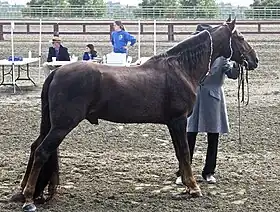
column 135, row 2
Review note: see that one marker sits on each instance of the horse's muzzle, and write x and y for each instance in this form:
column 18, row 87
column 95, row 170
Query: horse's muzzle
column 250, row 65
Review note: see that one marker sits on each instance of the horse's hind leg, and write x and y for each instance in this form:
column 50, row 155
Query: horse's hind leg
column 42, row 154
column 62, row 123
column 54, row 180
column 44, row 129
column 177, row 129
column 19, row 197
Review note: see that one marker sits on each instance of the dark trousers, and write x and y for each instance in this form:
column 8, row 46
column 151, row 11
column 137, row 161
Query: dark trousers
column 212, row 149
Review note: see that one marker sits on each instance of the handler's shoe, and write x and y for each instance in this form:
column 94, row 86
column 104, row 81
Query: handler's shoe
column 179, row 181
column 210, row 179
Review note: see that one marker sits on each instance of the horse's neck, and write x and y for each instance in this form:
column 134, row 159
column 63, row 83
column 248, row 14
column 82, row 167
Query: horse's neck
column 203, row 70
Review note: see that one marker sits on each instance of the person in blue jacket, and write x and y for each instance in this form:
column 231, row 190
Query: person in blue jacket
column 90, row 53
column 120, row 38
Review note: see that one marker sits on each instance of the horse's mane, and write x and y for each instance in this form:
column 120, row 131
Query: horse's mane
column 188, row 54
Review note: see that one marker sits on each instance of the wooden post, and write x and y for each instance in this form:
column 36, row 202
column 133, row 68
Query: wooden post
column 28, row 28
column 84, row 28
column 1, row 32
column 259, row 27
column 170, row 32
column 111, row 30
column 55, row 28
column 141, row 28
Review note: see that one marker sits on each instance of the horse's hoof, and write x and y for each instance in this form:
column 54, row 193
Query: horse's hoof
column 29, row 207
column 18, row 197
column 195, row 192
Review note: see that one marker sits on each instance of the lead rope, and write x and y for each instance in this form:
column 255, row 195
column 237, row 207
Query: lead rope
column 247, row 82
column 241, row 82
column 240, row 79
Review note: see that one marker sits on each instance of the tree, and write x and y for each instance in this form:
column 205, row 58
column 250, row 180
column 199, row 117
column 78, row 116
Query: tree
column 155, row 8
column 64, row 8
column 265, row 3
column 45, row 2
column 264, row 9
column 177, row 9
column 77, row 2
column 189, row 3
column 198, row 8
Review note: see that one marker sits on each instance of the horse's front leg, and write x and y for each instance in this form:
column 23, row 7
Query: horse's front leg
column 177, row 129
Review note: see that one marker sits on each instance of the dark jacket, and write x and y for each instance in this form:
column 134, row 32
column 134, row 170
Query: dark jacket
column 86, row 56
column 63, row 54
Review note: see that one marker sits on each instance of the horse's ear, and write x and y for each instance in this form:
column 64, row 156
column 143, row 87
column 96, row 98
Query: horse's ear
column 229, row 18
column 232, row 24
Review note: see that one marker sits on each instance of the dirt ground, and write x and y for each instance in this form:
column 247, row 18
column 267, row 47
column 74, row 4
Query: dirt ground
column 118, row 167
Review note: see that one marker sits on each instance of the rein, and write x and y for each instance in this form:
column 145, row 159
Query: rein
column 241, row 84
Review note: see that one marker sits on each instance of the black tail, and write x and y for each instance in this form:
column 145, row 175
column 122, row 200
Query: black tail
column 45, row 119
column 50, row 168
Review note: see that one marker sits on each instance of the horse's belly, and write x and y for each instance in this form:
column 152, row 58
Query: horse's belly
column 132, row 98
column 133, row 112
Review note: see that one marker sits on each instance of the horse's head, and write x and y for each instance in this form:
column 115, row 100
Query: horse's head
column 230, row 43
column 243, row 53
column 221, row 39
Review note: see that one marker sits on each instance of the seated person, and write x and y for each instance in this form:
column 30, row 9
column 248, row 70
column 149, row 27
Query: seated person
column 59, row 52
column 90, row 53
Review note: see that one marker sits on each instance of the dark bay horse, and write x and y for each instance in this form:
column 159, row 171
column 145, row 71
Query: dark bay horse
column 161, row 91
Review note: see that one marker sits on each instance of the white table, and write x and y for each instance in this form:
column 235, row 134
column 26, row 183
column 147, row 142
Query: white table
column 19, row 64
column 58, row 63
column 61, row 63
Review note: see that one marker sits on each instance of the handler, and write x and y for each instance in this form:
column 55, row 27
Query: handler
column 210, row 112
